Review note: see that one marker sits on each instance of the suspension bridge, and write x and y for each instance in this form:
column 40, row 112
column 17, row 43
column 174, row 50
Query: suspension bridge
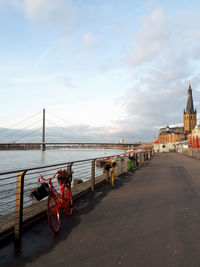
column 48, row 130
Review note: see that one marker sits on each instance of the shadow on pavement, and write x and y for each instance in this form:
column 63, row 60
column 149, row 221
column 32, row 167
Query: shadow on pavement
column 38, row 239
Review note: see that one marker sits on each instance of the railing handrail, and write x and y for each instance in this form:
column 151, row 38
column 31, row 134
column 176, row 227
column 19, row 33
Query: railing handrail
column 60, row 164
column 68, row 143
column 20, row 208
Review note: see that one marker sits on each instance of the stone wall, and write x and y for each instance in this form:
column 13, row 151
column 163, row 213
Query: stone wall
column 192, row 152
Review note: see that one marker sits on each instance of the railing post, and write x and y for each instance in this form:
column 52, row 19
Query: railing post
column 107, row 176
column 142, row 158
column 122, row 165
column 92, row 175
column 69, row 167
column 69, row 171
column 117, row 167
column 139, row 159
column 149, row 154
column 126, row 163
column 134, row 161
column 19, row 204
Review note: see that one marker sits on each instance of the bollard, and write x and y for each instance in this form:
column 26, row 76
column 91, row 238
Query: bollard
column 92, row 175
column 19, row 205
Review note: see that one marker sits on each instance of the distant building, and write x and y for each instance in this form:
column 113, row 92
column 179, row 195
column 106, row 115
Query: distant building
column 177, row 134
column 171, row 135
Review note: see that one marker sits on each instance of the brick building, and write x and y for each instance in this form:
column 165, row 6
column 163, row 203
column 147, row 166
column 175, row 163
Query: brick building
column 171, row 135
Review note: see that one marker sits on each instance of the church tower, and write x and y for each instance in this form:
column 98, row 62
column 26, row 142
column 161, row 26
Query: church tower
column 190, row 119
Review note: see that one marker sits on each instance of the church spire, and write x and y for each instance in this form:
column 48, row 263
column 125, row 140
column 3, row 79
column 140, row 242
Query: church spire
column 190, row 107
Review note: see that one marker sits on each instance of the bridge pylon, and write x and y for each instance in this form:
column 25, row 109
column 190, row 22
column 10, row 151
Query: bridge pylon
column 43, row 145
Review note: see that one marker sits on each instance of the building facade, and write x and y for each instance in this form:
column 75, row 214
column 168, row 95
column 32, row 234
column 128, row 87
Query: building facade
column 177, row 134
column 171, row 135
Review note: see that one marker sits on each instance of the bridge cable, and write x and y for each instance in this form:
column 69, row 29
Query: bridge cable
column 77, row 132
column 4, row 129
column 28, row 134
column 65, row 128
column 48, row 129
column 25, row 128
column 57, row 134
column 64, row 120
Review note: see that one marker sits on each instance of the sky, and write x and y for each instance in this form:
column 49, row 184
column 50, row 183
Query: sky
column 114, row 69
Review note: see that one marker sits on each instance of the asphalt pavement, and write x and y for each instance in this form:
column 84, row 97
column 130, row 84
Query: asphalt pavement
column 150, row 219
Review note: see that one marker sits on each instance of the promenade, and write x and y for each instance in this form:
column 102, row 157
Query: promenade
column 150, row 219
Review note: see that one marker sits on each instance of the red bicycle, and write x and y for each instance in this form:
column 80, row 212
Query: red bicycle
column 58, row 201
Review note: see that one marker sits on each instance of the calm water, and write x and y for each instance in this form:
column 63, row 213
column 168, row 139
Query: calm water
column 30, row 158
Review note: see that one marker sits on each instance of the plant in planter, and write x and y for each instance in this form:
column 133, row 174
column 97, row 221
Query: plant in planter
column 64, row 177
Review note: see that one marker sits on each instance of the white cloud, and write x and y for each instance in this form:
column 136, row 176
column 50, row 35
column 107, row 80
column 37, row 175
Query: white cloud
column 165, row 57
column 51, row 11
column 151, row 40
column 67, row 82
column 90, row 41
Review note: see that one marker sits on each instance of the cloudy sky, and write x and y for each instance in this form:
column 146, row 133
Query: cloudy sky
column 115, row 69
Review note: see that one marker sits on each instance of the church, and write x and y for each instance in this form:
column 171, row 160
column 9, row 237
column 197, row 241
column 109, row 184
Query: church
column 177, row 134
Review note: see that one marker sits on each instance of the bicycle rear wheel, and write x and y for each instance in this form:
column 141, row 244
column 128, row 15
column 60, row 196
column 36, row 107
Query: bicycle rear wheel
column 53, row 214
column 67, row 195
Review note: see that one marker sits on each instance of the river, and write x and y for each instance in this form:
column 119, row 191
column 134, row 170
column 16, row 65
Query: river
column 13, row 160
column 17, row 159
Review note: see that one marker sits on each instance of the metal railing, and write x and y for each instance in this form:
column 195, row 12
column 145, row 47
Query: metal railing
column 16, row 205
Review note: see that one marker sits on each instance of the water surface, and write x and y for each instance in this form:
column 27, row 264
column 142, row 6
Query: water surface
column 17, row 159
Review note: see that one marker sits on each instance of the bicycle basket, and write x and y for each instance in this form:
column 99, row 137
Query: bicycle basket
column 41, row 192
column 65, row 177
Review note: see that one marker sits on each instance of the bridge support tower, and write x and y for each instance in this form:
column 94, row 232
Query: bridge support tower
column 43, row 145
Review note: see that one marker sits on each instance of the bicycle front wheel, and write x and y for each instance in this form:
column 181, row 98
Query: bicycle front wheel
column 53, row 214
column 67, row 195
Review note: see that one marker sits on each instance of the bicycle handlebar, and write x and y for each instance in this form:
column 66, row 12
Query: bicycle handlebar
column 48, row 179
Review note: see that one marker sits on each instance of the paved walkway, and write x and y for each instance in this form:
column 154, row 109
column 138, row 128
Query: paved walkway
column 152, row 218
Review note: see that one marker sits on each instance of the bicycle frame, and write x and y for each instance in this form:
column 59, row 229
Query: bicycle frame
column 59, row 198
column 58, row 201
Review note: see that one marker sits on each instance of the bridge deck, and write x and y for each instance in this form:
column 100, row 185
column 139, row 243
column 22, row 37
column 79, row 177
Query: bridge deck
column 152, row 218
